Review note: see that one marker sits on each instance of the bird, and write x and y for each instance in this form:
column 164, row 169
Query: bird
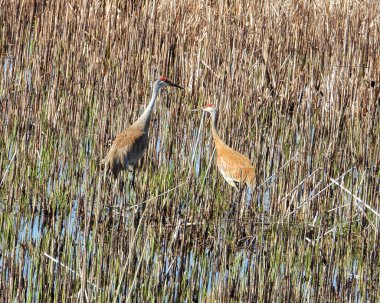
column 129, row 146
column 234, row 167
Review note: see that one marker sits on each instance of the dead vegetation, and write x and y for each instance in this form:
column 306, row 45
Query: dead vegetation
column 297, row 85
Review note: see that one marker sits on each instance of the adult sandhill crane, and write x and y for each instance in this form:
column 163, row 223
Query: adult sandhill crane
column 130, row 145
column 235, row 167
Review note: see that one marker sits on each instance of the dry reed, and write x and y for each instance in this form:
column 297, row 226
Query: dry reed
column 297, row 86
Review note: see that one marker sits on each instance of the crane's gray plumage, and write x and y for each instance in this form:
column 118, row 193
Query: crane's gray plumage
column 129, row 146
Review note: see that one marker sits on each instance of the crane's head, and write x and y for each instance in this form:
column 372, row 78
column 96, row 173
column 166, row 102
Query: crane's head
column 163, row 81
column 209, row 108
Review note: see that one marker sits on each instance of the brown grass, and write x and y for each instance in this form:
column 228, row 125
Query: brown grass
column 289, row 78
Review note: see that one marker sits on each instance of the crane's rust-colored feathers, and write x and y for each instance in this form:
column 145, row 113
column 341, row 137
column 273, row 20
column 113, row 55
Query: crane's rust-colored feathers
column 234, row 166
column 127, row 148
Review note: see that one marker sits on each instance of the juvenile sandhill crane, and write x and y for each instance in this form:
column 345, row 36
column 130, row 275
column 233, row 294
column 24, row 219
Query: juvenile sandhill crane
column 130, row 145
column 235, row 167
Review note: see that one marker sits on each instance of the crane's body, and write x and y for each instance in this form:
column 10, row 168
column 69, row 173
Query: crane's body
column 129, row 146
column 234, row 167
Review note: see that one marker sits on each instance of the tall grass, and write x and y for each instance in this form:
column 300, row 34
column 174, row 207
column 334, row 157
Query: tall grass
column 297, row 87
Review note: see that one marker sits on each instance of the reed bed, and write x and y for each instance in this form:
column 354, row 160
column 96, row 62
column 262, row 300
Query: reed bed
column 297, row 87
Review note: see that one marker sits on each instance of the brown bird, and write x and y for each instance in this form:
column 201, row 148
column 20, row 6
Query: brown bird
column 130, row 145
column 235, row 167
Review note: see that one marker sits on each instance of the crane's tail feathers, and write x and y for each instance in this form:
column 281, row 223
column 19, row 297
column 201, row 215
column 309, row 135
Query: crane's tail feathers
column 105, row 163
column 112, row 162
column 250, row 179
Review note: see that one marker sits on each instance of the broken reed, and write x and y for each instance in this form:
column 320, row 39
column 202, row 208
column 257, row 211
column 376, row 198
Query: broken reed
column 298, row 91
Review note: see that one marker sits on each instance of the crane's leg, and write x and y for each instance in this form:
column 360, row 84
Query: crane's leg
column 234, row 202
column 238, row 203
column 141, row 162
column 121, row 185
column 242, row 200
column 133, row 176
column 232, row 208
column 106, row 180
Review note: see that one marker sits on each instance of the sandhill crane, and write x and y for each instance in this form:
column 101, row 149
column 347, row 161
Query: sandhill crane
column 130, row 145
column 235, row 167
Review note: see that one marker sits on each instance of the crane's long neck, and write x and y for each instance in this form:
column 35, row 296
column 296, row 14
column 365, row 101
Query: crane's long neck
column 145, row 117
column 218, row 141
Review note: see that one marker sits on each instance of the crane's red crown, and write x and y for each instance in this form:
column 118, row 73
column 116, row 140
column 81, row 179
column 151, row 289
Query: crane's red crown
column 209, row 105
column 163, row 78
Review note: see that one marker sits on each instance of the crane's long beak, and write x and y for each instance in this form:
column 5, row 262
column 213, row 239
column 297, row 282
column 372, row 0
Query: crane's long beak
column 173, row 84
column 194, row 110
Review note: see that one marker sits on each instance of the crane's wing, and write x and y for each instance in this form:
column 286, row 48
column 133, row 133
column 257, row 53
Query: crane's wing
column 234, row 166
column 127, row 148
